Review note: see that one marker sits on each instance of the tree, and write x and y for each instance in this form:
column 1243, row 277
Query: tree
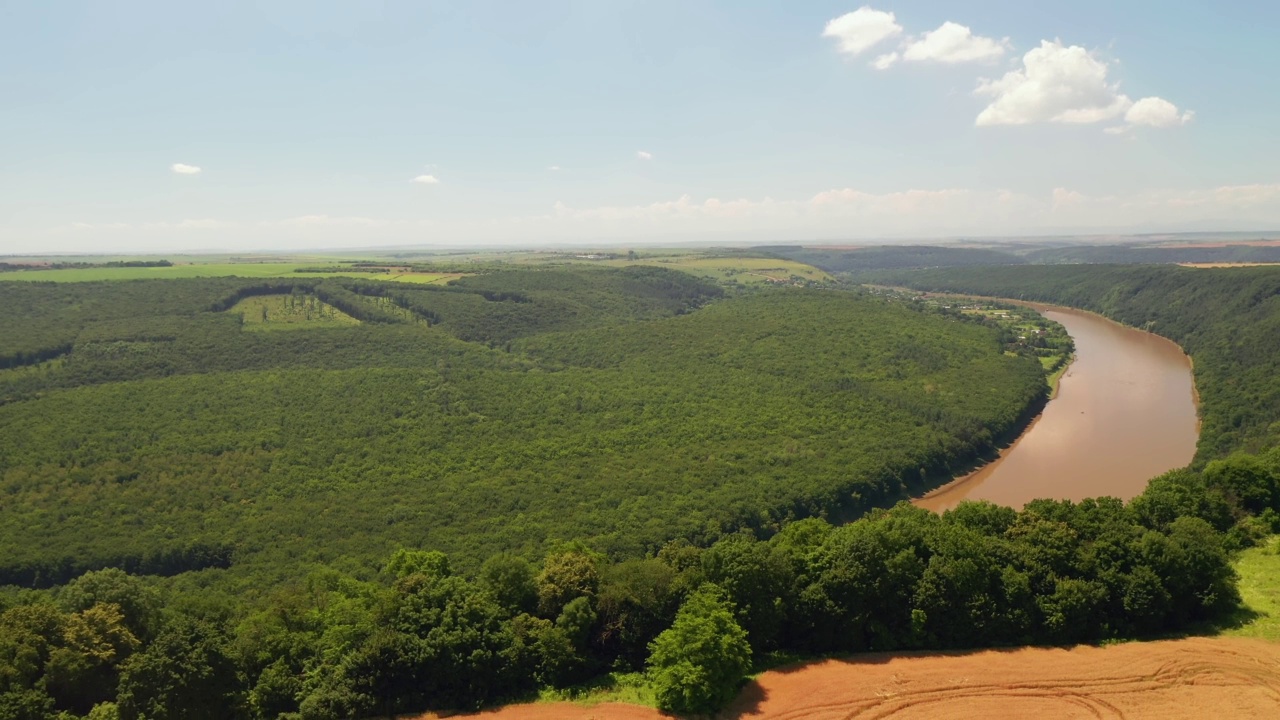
column 566, row 576
column 458, row 638
column 576, row 620
column 698, row 663
column 757, row 579
column 113, row 586
column 511, row 580
column 186, row 673
column 83, row 671
column 276, row 692
column 25, row 705
column 431, row 563
column 1246, row 479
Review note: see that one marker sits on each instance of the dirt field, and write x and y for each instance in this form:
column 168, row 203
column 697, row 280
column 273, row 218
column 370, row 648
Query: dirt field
column 1196, row 678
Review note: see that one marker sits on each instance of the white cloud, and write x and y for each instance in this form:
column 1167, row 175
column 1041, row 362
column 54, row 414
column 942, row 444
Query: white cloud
column 862, row 29
column 183, row 169
column 1056, row 83
column 554, row 168
column 426, row 180
column 1063, row 198
column 1157, row 112
column 886, row 61
column 953, row 43
column 642, row 155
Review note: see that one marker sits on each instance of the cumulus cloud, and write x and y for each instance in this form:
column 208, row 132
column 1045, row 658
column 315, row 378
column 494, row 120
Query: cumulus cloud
column 953, row 43
column 1057, row 84
column 1157, row 112
column 426, row 180
column 862, row 29
column 184, row 169
column 642, row 155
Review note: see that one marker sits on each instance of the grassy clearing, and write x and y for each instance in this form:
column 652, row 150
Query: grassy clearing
column 412, row 277
column 195, row 270
column 1259, row 570
column 745, row 270
column 289, row 312
column 616, row 687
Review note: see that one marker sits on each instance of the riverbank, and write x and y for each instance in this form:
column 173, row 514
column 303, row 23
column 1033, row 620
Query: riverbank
column 1056, row 376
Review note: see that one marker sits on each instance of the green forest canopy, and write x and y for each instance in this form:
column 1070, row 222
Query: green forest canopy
column 503, row 412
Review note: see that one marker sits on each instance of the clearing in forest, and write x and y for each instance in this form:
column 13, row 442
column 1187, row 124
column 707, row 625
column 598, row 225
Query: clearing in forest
column 745, row 270
column 289, row 312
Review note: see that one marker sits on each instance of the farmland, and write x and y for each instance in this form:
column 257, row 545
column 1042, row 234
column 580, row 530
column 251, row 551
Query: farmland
column 744, row 270
column 209, row 270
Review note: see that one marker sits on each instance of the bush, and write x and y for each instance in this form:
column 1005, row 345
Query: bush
column 698, row 664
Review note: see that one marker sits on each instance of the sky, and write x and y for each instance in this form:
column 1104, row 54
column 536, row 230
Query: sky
column 155, row 126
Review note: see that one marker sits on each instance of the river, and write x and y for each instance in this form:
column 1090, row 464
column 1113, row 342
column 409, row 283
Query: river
column 1125, row 412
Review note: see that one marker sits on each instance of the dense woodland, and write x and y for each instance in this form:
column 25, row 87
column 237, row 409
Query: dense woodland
column 526, row 479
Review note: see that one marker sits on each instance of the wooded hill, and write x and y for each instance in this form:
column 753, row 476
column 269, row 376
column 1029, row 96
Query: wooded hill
column 617, row 461
column 499, row 413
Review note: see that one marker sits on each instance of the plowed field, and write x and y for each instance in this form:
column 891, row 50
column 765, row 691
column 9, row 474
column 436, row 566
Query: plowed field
column 1193, row 678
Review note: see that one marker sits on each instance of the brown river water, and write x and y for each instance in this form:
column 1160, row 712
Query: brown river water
column 1125, row 412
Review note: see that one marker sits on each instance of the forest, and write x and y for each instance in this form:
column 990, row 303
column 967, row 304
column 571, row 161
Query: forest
column 527, row 479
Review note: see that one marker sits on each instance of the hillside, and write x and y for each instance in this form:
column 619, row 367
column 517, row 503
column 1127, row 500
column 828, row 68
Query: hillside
column 172, row 436
column 421, row 497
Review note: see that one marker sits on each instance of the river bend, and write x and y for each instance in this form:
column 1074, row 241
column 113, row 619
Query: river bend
column 1125, row 412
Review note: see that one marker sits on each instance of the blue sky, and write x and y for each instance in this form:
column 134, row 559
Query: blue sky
column 161, row 126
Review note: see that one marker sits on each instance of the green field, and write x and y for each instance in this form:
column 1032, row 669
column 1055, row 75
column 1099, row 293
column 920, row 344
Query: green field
column 744, row 270
column 730, row 268
column 1259, row 570
column 212, row 269
column 288, row 312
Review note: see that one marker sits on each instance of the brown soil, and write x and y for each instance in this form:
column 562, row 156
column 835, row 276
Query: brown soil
column 1192, row 678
